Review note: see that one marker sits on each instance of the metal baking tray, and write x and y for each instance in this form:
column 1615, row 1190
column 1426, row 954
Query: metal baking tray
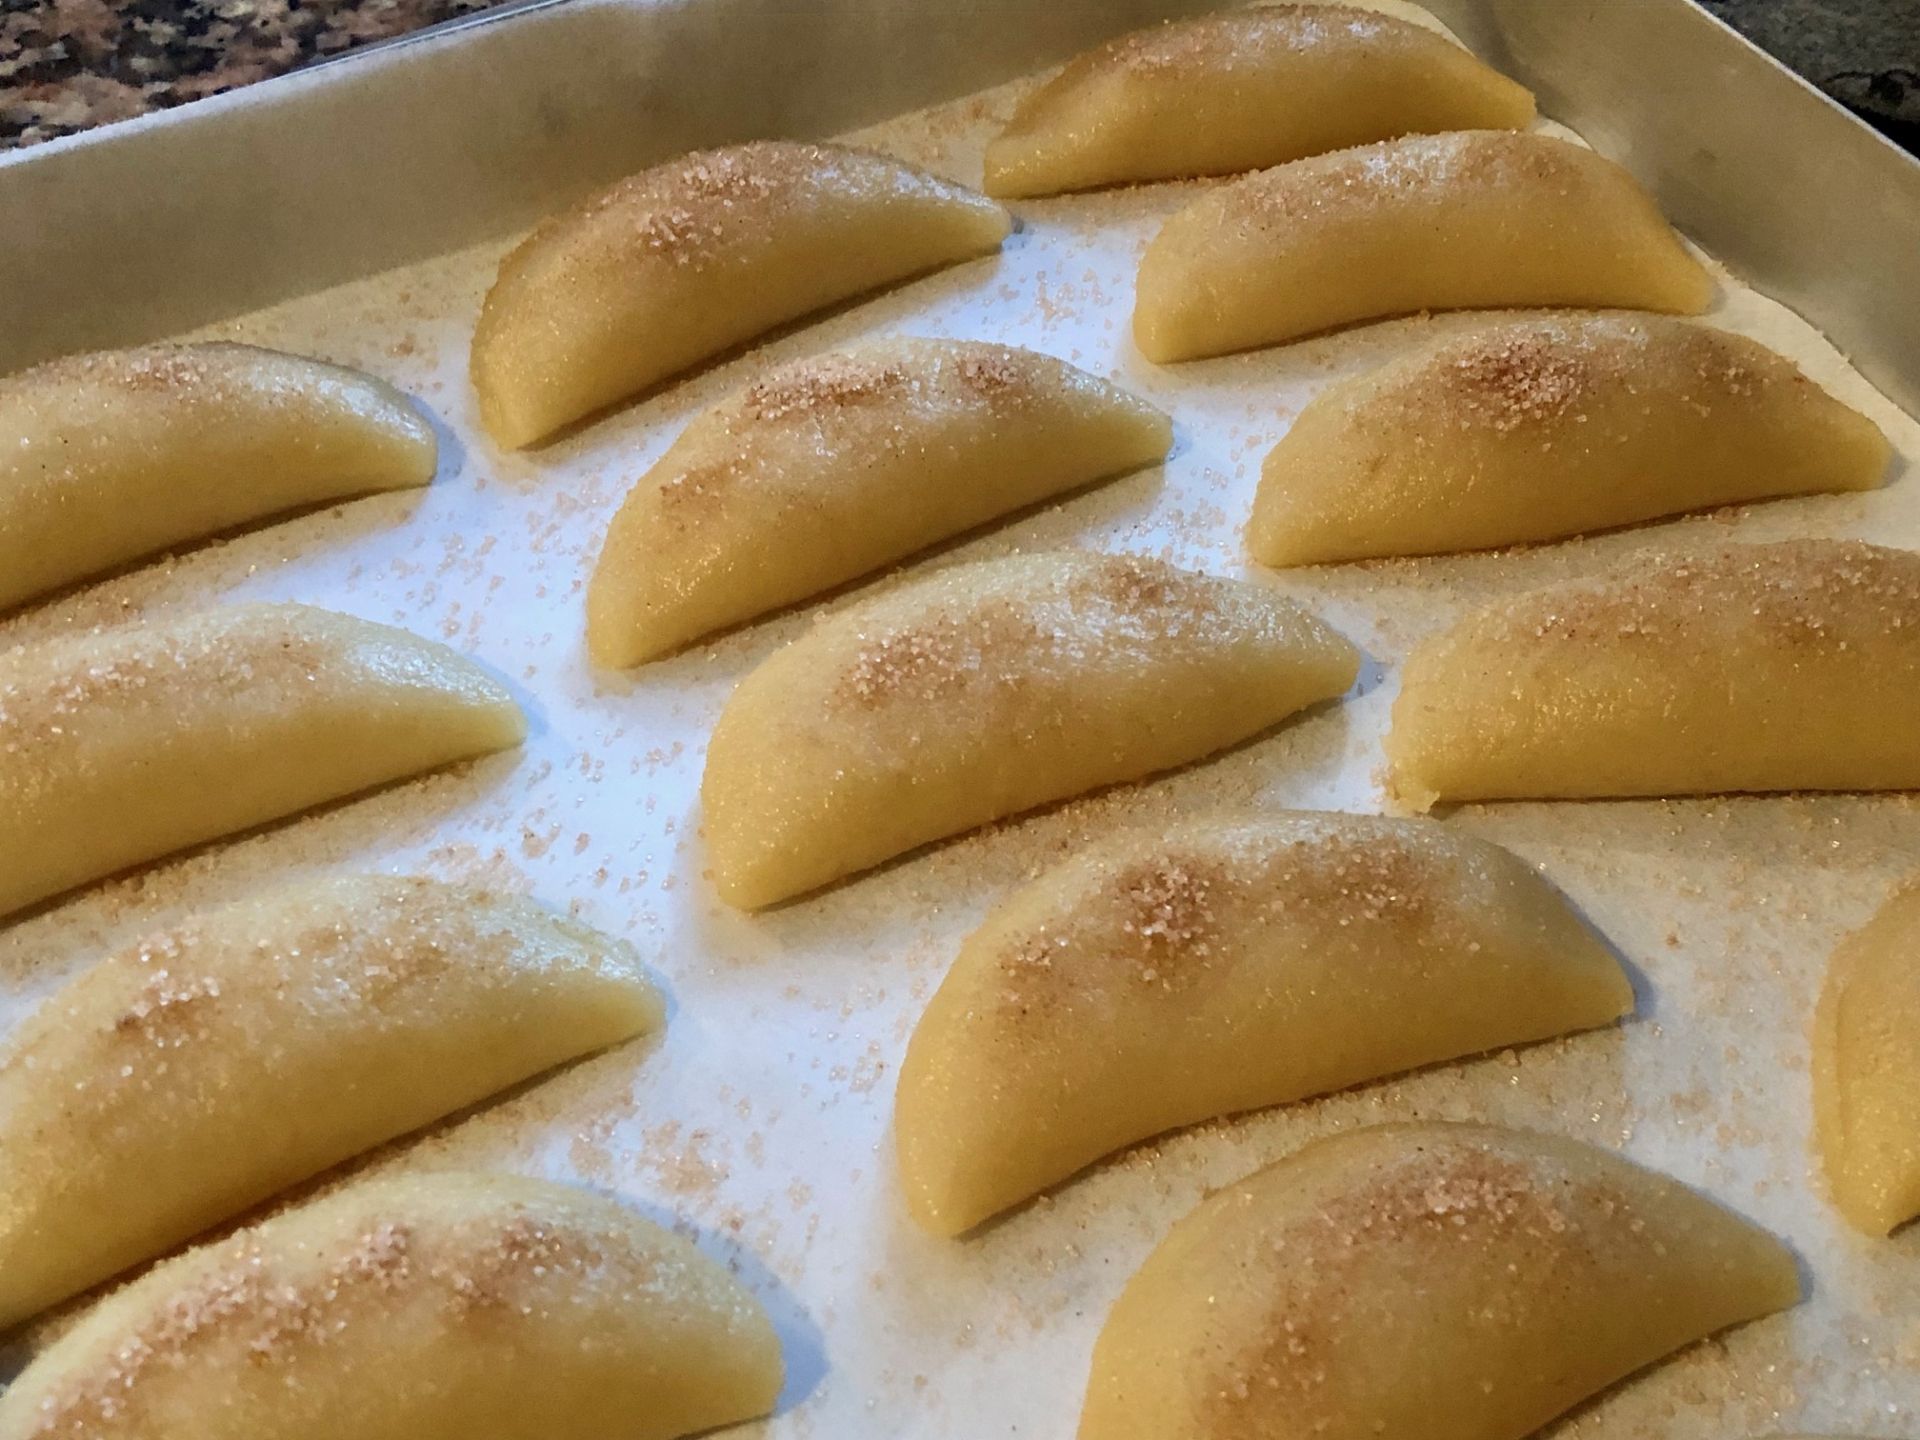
column 356, row 212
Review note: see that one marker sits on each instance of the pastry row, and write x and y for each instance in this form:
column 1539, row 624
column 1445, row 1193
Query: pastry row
column 685, row 261
column 444, row 1306
column 828, row 469
column 989, row 689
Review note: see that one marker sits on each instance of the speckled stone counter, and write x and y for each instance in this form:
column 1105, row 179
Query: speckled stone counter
column 66, row 65
column 1864, row 53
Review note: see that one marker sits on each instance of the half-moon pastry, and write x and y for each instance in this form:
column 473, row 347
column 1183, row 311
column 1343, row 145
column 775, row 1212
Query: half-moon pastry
column 1242, row 90
column 1544, row 428
column 1455, row 1282
column 986, row 690
column 1469, row 220
column 123, row 745
column 836, row 465
column 207, row 1066
column 1742, row 668
column 1164, row 978
column 430, row 1307
column 109, row 457
column 681, row 262
column 1866, row 1068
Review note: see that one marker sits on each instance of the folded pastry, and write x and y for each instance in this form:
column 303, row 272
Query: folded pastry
column 124, row 745
column 836, row 465
column 986, row 690
column 1455, row 1282
column 430, row 1307
column 1240, row 90
column 678, row 263
column 1468, row 220
column 1543, row 428
column 1747, row 667
column 1866, row 1068
column 1166, row 977
column 207, row 1066
column 110, row 457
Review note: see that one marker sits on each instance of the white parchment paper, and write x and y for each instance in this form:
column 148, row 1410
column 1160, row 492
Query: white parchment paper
column 760, row 1122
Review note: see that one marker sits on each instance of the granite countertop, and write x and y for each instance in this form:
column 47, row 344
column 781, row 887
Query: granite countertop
column 67, row 65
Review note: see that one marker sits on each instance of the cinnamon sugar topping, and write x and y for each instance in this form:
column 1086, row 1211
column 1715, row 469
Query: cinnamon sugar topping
column 274, row 1305
column 1517, row 379
column 151, row 367
column 1167, row 905
column 822, row 383
column 1180, row 45
column 1831, row 592
column 1418, row 166
column 942, row 655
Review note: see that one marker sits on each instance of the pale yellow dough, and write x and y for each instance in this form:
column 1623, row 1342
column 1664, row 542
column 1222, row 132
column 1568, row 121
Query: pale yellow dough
column 208, row 1065
column 123, row 745
column 111, row 457
column 1866, row 1068
column 834, row 466
column 1164, row 978
column 1468, row 220
column 678, row 263
column 437, row 1307
column 1240, row 90
column 1543, row 428
column 1743, row 668
column 986, row 690
column 1454, row 1282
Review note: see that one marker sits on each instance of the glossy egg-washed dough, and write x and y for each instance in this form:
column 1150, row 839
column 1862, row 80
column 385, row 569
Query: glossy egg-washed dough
column 1469, row 220
column 1786, row 666
column 210, row 1064
column 1242, row 90
column 1543, row 428
column 434, row 1307
column 110, row 457
column 1454, row 1282
column 985, row 690
column 678, row 263
column 835, row 465
column 1866, row 1068
column 1163, row 978
column 127, row 744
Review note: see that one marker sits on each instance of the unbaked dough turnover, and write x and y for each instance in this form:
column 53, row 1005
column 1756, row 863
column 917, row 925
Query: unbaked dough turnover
column 1468, row 220
column 124, row 745
column 1164, row 978
column 432, row 1307
column 1866, row 1068
column 1784, row 666
column 681, row 262
column 1543, row 428
column 1241, row 90
column 985, row 690
column 836, row 465
column 208, row 1065
column 1455, row 1282
column 110, row 457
